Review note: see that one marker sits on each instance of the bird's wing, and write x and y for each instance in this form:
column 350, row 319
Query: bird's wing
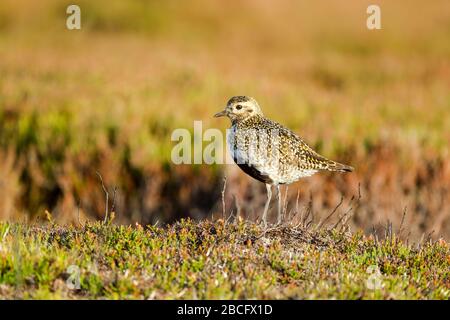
column 299, row 153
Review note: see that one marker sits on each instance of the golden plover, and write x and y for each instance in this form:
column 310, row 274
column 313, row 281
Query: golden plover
column 269, row 152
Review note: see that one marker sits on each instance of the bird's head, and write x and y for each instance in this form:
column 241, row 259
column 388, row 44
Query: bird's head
column 240, row 108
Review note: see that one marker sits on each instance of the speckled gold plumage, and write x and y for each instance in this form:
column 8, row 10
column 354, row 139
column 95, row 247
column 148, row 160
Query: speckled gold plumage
column 267, row 151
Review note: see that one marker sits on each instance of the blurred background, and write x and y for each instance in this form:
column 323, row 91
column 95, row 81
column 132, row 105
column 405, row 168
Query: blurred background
column 107, row 97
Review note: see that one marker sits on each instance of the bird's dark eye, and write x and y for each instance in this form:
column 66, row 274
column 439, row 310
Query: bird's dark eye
column 238, row 107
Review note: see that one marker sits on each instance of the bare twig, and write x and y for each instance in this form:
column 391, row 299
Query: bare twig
column 400, row 229
column 341, row 218
column 388, row 230
column 223, row 196
column 331, row 214
column 113, row 206
column 106, row 195
column 346, row 216
column 429, row 235
column 78, row 213
column 229, row 217
column 309, row 212
column 297, row 209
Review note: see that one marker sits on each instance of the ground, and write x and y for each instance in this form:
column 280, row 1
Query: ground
column 217, row 260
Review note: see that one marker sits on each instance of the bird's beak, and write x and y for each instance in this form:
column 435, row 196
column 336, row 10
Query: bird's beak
column 221, row 113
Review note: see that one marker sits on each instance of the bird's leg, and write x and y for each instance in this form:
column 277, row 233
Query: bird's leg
column 266, row 207
column 279, row 204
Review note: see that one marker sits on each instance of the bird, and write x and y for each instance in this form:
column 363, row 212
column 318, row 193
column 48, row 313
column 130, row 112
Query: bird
column 270, row 152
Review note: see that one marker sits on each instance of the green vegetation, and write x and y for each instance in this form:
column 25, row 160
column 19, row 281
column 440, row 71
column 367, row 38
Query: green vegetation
column 216, row 260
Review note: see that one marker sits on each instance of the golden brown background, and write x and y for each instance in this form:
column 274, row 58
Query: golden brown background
column 107, row 97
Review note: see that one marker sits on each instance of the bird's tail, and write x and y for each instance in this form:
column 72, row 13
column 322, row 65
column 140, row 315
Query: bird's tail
column 339, row 167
